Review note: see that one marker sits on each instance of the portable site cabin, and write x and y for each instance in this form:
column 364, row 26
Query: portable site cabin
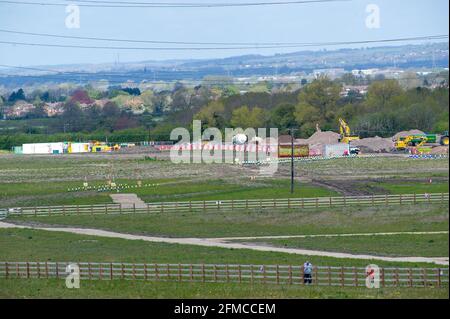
column 79, row 148
column 43, row 148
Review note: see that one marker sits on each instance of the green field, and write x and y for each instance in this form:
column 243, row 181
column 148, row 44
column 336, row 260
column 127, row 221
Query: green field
column 39, row 245
column 426, row 245
column 53, row 288
column 241, row 223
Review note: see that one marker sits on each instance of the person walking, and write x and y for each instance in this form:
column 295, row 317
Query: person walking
column 307, row 273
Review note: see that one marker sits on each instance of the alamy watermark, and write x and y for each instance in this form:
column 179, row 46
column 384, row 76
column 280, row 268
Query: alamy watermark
column 372, row 276
column 72, row 20
column 210, row 146
column 73, row 277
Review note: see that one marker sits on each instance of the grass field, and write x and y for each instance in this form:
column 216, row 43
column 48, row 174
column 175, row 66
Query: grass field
column 53, row 288
column 39, row 245
column 241, row 223
column 44, row 180
column 427, row 245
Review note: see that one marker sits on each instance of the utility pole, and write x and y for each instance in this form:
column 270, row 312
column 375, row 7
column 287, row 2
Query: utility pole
column 291, row 132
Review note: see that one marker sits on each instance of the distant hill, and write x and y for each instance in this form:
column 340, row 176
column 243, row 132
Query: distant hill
column 404, row 56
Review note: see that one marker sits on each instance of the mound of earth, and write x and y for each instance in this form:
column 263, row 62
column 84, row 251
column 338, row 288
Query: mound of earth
column 374, row 144
column 439, row 150
column 327, row 137
column 406, row 133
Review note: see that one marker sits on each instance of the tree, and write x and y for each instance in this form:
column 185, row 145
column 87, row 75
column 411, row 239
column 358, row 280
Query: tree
column 321, row 94
column 244, row 117
column 282, row 116
column 72, row 116
column 16, row 96
column 110, row 110
column 212, row 115
column 380, row 95
column 307, row 116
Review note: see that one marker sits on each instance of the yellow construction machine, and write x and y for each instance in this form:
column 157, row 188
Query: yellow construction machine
column 346, row 136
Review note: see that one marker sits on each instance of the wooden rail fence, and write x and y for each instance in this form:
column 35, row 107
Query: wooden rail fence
column 258, row 274
column 230, row 205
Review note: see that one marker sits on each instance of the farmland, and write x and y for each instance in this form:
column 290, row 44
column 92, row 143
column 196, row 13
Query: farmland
column 46, row 180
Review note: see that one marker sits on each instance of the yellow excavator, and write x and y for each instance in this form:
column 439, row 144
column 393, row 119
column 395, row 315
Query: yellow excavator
column 346, row 136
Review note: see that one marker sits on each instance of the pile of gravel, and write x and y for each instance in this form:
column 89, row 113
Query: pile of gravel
column 374, row 144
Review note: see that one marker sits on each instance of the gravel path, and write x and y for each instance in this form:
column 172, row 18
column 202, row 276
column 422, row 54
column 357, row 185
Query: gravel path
column 221, row 243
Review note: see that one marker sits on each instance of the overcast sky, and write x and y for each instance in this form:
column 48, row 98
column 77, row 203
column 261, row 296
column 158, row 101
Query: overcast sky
column 318, row 22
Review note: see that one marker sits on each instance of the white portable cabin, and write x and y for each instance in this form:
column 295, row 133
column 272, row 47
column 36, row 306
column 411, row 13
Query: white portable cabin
column 334, row 150
column 43, row 148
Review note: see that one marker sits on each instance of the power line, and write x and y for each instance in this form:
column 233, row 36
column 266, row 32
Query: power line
column 318, row 44
column 131, row 4
column 149, row 41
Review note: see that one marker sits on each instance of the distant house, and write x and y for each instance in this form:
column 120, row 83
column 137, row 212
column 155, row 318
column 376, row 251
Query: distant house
column 54, row 109
column 20, row 109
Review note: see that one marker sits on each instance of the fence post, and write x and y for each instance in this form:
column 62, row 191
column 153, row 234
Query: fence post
column 289, row 203
column 191, row 273
column 78, row 209
column 303, row 203
column 215, row 273
column 425, row 283
column 179, row 272
column 106, row 209
column 123, row 271
column 100, row 270
column 35, row 211
column 46, row 269
column 156, row 272
column 342, row 277
column 302, row 275
column 290, row 275
column 329, row 276
column 355, row 271
column 278, row 275
column 134, row 208
column 148, row 208
column 330, row 202
column 382, row 277
column 110, row 271
column 246, row 204
column 190, row 206
column 145, row 272
column 397, row 282
column 386, row 199
column 64, row 210
column 240, row 273
column 316, row 275
column 168, row 271
column 6, row 270
column 89, row 271
column 401, row 202
column 38, row 269
column 251, row 274
column 203, row 272
column 134, row 271
column 410, row 277
column 438, row 283
column 28, row 269
column 162, row 207
column 317, row 202
column 345, row 201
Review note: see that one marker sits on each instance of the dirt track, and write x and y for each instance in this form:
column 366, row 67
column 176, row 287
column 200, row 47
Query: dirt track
column 222, row 243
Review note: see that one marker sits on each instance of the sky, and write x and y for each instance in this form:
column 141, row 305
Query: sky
column 313, row 22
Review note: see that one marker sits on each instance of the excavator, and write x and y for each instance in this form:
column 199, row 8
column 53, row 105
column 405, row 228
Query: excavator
column 346, row 136
column 419, row 140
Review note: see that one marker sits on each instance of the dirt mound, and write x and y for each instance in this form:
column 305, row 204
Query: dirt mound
column 374, row 144
column 439, row 150
column 406, row 133
column 324, row 138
